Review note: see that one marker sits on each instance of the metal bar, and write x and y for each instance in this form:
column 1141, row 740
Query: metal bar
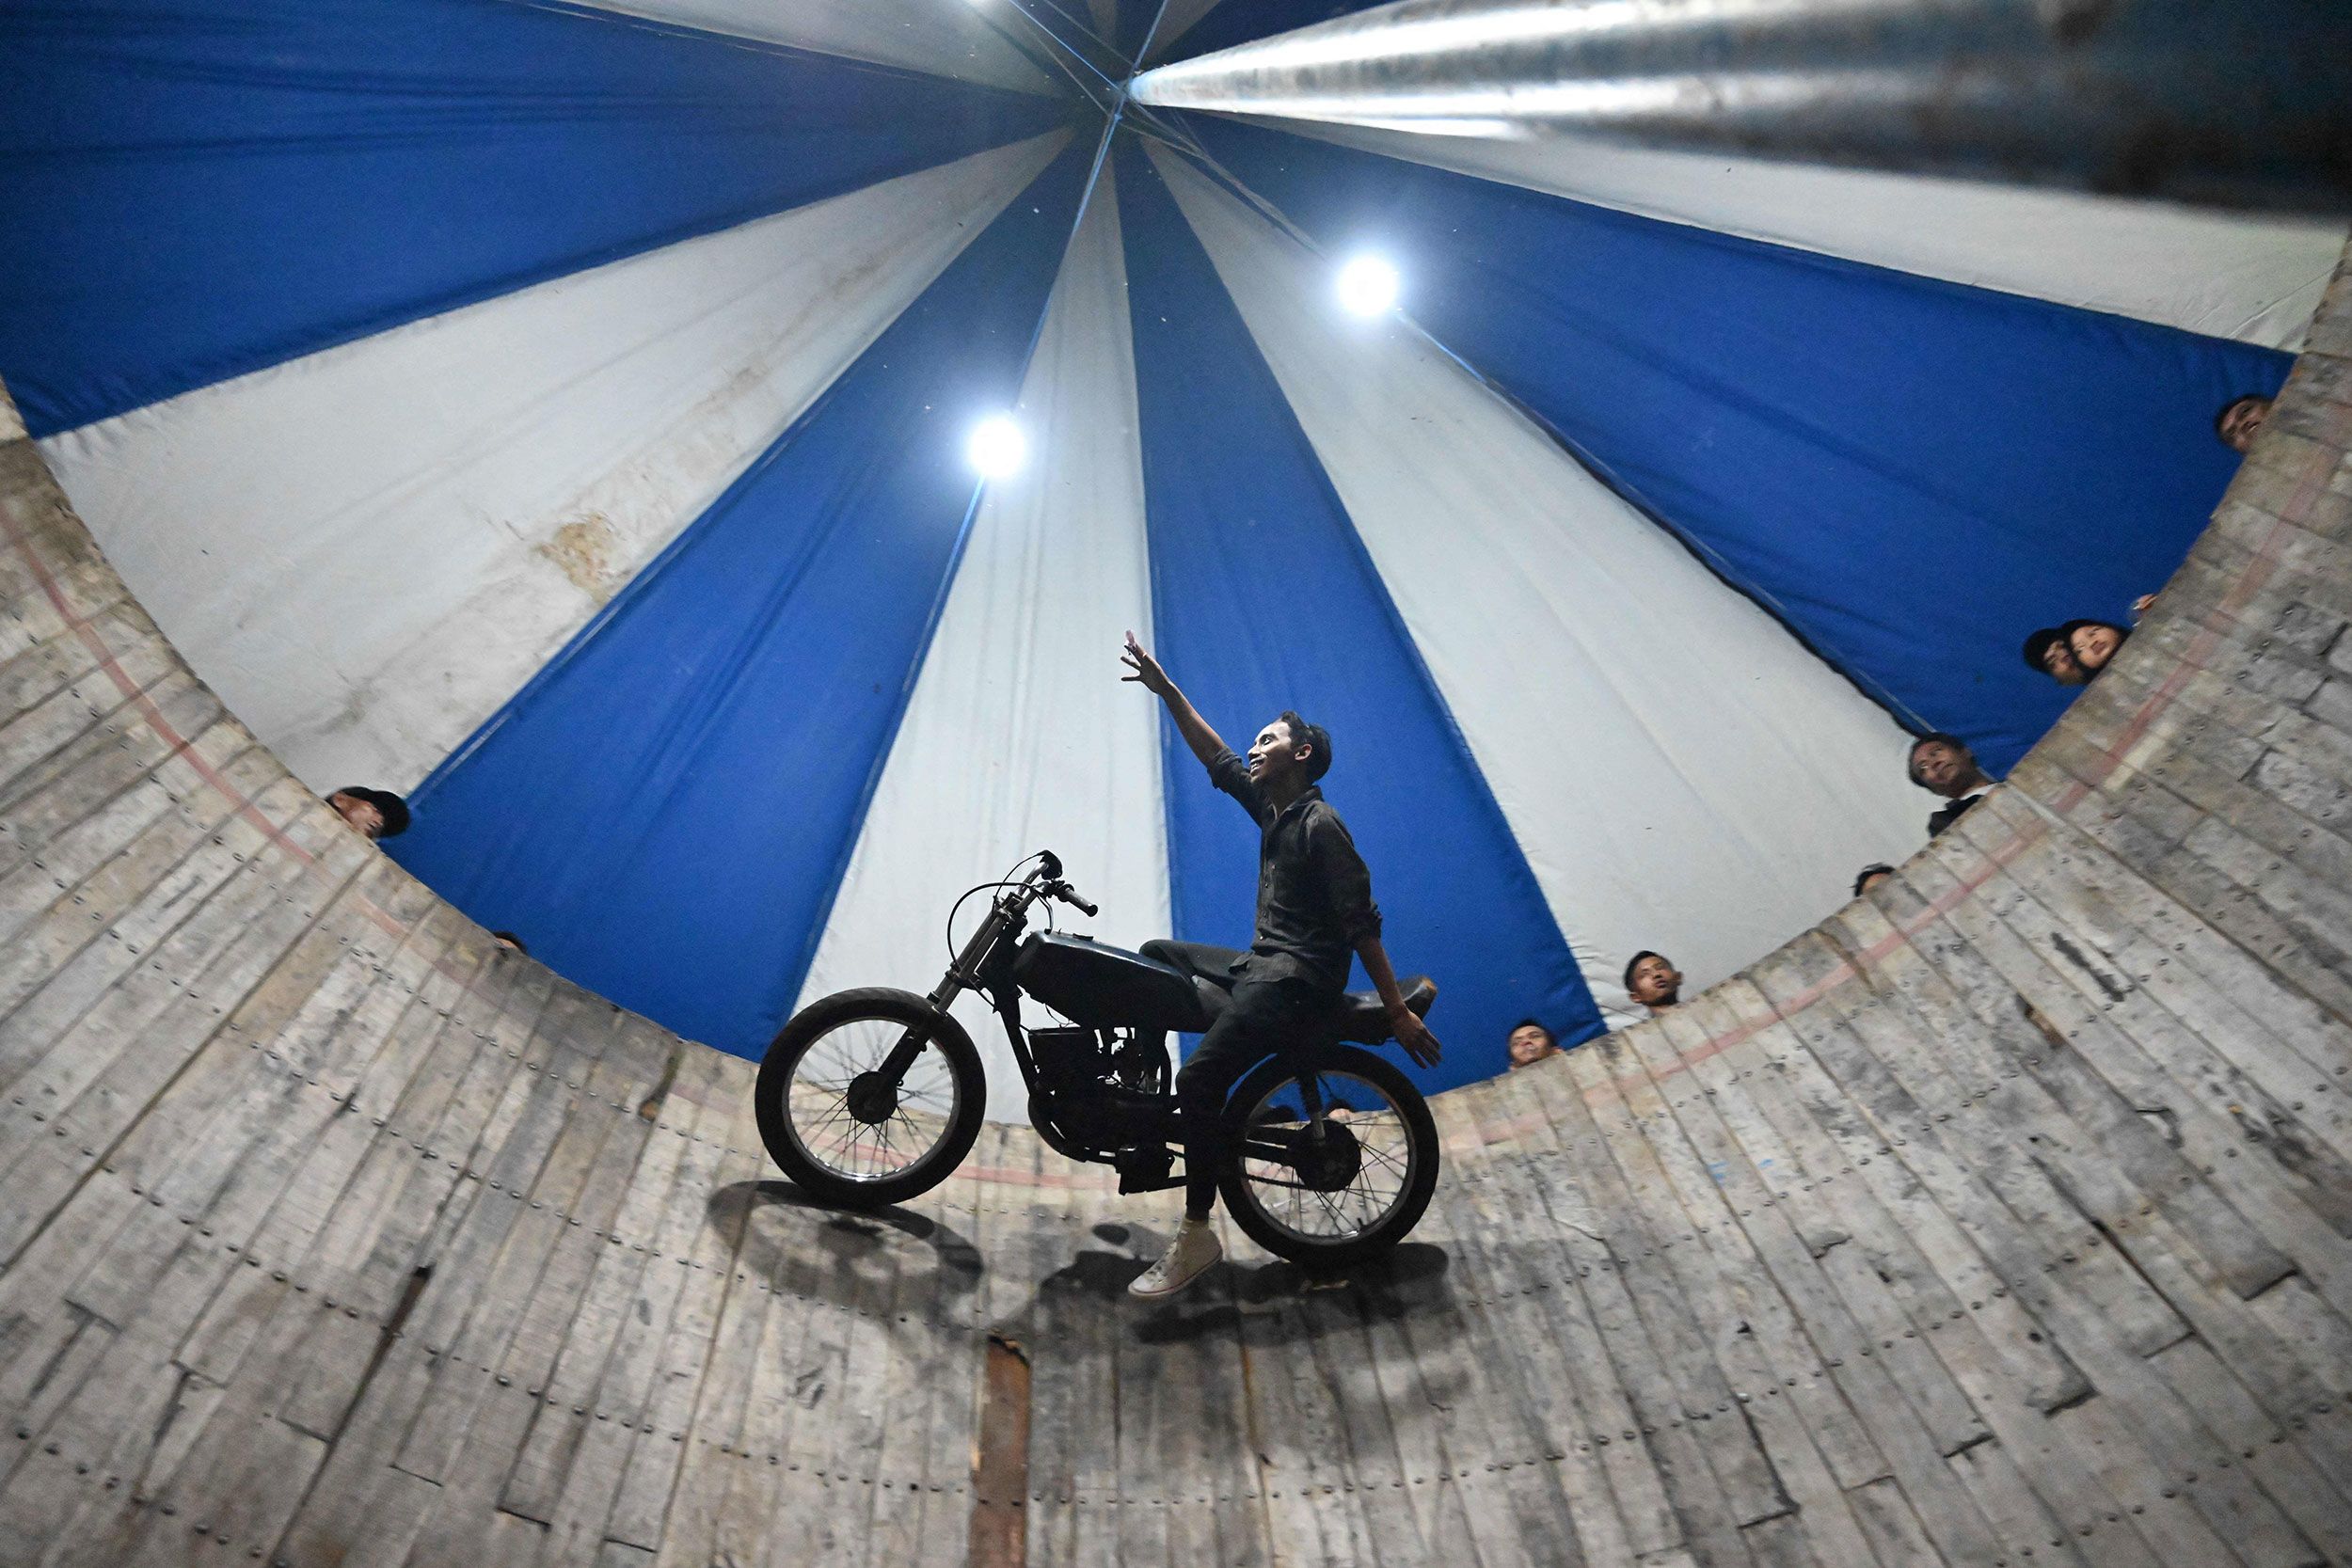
column 2205, row 101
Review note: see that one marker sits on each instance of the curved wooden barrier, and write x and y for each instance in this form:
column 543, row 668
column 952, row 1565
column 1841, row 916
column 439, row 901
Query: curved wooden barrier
column 2001, row 1220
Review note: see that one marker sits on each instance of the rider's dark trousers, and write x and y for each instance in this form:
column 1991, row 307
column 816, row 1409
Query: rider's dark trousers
column 1263, row 1018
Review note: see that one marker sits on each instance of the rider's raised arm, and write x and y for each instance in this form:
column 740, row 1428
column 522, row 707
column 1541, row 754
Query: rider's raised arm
column 1204, row 742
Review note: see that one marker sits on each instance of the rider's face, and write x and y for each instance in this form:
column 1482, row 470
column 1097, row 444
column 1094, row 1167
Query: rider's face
column 1273, row 758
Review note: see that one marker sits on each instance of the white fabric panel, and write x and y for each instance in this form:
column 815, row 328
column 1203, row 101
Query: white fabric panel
column 2256, row 278
column 367, row 550
column 944, row 38
column 1019, row 735
column 1682, row 774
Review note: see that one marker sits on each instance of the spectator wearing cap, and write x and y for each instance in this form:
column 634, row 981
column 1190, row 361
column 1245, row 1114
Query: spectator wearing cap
column 2093, row 643
column 2240, row 420
column 1870, row 876
column 373, row 814
column 1943, row 765
column 1651, row 979
column 1531, row 1042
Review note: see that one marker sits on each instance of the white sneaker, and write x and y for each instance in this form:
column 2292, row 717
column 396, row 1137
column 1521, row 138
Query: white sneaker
column 1188, row 1257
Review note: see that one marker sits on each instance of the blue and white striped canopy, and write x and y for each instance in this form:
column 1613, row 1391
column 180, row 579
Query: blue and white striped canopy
column 559, row 412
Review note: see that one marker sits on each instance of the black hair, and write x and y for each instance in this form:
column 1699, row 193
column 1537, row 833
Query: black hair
column 2038, row 647
column 511, row 941
column 1550, row 1039
column 1314, row 736
column 1868, row 872
column 2222, row 418
column 391, row 807
column 1635, row 962
column 1939, row 738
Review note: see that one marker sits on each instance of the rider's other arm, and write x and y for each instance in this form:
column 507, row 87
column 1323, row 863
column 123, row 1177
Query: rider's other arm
column 1348, row 882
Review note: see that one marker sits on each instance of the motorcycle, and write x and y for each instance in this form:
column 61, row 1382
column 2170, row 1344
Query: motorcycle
column 872, row 1095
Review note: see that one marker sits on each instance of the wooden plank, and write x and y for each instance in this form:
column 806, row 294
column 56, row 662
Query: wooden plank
column 626, row 1397
column 1866, row 1235
column 2159, row 989
column 500, row 1247
column 575, row 1396
column 1851, row 1307
column 1538, row 1337
column 2162, row 1078
column 1790, row 1305
column 1716, row 1479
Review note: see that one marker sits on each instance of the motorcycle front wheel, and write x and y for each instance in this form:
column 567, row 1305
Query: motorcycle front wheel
column 839, row 1128
column 1334, row 1201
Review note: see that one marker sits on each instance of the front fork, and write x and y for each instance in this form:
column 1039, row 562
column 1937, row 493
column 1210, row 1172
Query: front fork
column 971, row 971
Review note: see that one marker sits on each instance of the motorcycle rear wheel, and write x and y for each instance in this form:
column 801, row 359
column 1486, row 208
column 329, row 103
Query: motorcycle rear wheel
column 830, row 1124
column 1358, row 1195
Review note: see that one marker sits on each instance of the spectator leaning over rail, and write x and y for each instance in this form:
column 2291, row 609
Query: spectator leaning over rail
column 1943, row 765
column 1531, row 1042
column 1652, row 980
column 1870, row 876
column 373, row 814
column 2240, row 420
column 2048, row 653
column 2093, row 644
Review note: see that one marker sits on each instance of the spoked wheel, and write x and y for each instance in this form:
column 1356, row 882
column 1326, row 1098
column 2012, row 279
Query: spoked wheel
column 842, row 1127
column 1333, row 1200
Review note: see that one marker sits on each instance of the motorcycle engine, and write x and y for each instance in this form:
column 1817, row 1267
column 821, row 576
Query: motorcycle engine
column 1108, row 1086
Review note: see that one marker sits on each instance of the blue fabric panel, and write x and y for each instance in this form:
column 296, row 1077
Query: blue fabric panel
column 1137, row 21
column 1914, row 473
column 1235, row 22
column 665, row 812
column 199, row 188
column 1263, row 598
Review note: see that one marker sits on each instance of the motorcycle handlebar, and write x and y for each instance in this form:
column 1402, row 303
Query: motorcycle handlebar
column 1070, row 895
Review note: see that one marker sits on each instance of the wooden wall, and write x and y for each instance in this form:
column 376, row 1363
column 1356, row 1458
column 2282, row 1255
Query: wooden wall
column 2001, row 1220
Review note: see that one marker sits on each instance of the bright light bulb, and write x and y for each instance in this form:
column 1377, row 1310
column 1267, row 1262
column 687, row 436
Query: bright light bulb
column 1368, row 285
column 997, row 448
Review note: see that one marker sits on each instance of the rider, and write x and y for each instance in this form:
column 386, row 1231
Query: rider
column 1314, row 904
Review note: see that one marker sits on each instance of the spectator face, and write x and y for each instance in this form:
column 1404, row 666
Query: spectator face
column 1872, row 878
column 2243, row 423
column 1945, row 769
column 2094, row 646
column 1529, row 1042
column 2059, row 661
column 361, row 817
column 1655, row 982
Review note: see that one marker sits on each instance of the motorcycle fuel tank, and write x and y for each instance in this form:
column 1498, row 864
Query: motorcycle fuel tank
column 1107, row 988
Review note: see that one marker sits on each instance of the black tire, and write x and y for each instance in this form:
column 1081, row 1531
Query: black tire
column 1418, row 1130
column 829, row 1016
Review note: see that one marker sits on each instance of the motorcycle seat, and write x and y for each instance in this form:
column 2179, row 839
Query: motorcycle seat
column 1359, row 1017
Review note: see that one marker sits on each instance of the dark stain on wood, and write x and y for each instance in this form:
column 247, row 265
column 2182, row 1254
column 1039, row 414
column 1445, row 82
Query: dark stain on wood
column 1000, row 1458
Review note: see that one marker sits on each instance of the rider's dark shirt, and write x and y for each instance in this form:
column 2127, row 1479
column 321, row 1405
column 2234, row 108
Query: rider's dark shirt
column 1314, row 892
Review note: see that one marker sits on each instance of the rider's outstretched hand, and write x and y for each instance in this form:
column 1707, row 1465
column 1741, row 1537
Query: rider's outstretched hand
column 1146, row 669
column 1414, row 1035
